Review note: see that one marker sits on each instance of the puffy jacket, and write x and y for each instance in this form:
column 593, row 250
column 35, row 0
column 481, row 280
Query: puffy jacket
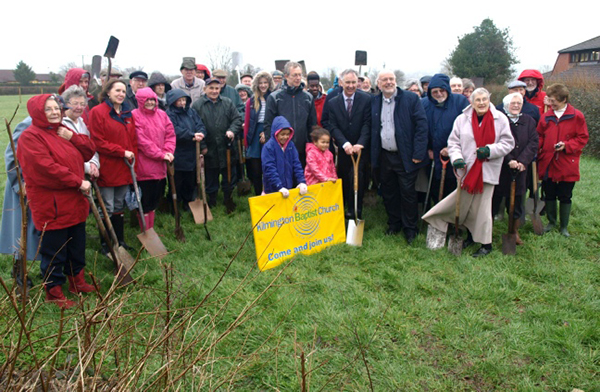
column 113, row 133
column 536, row 97
column 280, row 164
column 440, row 118
column 297, row 106
column 218, row 118
column 53, row 170
column 186, row 123
column 461, row 144
column 319, row 104
column 155, row 135
column 571, row 129
column 319, row 165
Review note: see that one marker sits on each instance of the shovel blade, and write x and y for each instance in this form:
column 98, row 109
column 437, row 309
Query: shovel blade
column 436, row 239
column 152, row 243
column 455, row 244
column 509, row 244
column 355, row 233
column 96, row 66
column 111, row 48
column 197, row 208
column 244, row 187
column 538, row 226
column 124, row 265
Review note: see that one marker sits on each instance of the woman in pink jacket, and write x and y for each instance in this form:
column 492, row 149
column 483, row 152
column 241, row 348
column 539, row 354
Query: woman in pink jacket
column 156, row 145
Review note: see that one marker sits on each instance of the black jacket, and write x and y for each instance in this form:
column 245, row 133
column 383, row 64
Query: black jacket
column 298, row 107
column 357, row 128
column 132, row 103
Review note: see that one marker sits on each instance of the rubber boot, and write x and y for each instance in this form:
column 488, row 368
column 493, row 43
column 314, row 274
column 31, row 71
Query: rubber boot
column 103, row 245
column 518, row 240
column 77, row 284
column 118, row 223
column 149, row 218
column 565, row 213
column 551, row 214
column 55, row 295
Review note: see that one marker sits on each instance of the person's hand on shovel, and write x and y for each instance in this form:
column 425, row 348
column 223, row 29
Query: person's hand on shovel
column 198, row 137
column 129, row 155
column 230, row 135
column 85, row 186
column 94, row 172
column 168, row 157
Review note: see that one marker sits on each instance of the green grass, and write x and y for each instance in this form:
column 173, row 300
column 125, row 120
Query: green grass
column 424, row 320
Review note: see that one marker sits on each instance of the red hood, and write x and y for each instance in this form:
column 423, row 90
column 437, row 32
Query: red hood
column 35, row 107
column 202, row 67
column 72, row 77
column 532, row 73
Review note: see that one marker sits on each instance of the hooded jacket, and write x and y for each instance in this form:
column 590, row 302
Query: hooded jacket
column 251, row 124
column 218, row 118
column 186, row 123
column 440, row 118
column 72, row 78
column 53, row 170
column 319, row 165
column 537, row 96
column 297, row 106
column 202, row 67
column 155, row 135
column 158, row 78
column 280, row 164
column 113, row 133
column 570, row 128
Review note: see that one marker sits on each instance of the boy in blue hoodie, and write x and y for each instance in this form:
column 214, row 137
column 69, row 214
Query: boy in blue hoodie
column 280, row 163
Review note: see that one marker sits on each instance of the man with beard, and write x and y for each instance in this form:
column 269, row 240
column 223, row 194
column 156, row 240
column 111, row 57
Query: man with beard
column 534, row 82
column 398, row 150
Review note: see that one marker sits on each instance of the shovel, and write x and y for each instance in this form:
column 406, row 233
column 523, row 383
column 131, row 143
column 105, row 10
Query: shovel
column 229, row 204
column 111, row 51
column 443, row 180
column 538, row 227
column 119, row 254
column 96, row 67
column 122, row 259
column 197, row 206
column 204, row 202
column 356, row 227
column 455, row 243
column 509, row 240
column 178, row 229
column 244, row 186
column 147, row 237
column 426, row 203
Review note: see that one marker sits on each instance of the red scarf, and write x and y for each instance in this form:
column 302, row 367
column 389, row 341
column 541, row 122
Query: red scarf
column 484, row 134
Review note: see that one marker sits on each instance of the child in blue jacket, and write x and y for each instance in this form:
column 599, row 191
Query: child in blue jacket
column 280, row 163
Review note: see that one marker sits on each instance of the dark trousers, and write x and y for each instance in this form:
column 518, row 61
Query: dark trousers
column 254, row 169
column 185, row 184
column 497, row 200
column 63, row 252
column 212, row 181
column 563, row 191
column 345, row 171
column 399, row 194
column 152, row 190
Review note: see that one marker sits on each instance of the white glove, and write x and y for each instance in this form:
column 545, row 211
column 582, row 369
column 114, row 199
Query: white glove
column 303, row 188
column 284, row 192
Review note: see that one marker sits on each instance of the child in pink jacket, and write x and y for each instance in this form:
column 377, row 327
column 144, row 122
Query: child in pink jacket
column 319, row 160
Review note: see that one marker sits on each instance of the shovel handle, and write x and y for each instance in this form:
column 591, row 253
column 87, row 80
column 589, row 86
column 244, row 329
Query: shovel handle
column 131, row 164
column 198, row 154
column 355, row 162
column 534, row 175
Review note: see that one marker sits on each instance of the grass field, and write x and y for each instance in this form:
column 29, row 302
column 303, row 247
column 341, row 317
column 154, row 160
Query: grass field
column 386, row 316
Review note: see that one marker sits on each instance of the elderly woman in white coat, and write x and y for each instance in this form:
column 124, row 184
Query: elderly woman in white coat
column 479, row 141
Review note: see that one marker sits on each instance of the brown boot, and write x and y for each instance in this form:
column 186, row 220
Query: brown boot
column 77, row 284
column 55, row 295
column 518, row 240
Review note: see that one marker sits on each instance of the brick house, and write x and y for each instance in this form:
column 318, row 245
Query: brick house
column 582, row 59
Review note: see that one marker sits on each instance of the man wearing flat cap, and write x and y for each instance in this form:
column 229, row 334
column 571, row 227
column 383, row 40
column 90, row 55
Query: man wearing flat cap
column 228, row 91
column 188, row 81
column 137, row 80
column 517, row 86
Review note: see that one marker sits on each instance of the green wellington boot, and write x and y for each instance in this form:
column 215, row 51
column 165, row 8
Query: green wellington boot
column 565, row 213
column 551, row 215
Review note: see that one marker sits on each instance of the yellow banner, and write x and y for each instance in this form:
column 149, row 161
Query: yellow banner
column 299, row 224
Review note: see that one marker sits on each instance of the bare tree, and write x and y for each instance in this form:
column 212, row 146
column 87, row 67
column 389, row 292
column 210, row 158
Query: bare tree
column 446, row 67
column 219, row 57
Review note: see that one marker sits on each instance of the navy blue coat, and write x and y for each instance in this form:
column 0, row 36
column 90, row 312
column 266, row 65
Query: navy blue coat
column 187, row 122
column 281, row 166
column 411, row 129
column 253, row 119
column 355, row 130
column 440, row 119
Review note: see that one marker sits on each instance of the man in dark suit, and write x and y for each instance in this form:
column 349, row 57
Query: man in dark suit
column 350, row 126
column 399, row 149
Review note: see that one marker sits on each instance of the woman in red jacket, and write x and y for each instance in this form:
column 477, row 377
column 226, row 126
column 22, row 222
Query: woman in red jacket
column 52, row 158
column 112, row 128
column 563, row 134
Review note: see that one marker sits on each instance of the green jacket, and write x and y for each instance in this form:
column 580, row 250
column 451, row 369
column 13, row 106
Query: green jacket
column 218, row 118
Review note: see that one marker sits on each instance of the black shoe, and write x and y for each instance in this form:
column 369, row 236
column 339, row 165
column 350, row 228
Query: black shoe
column 483, row 251
column 104, row 250
column 391, row 231
column 124, row 245
column 410, row 238
column 468, row 242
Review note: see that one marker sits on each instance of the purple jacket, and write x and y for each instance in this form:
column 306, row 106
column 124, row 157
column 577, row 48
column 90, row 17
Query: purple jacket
column 156, row 137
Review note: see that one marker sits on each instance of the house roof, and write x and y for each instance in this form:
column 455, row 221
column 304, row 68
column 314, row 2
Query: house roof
column 7, row 76
column 593, row 43
column 581, row 71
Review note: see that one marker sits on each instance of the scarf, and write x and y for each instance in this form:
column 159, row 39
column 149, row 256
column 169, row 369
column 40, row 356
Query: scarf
column 484, row 134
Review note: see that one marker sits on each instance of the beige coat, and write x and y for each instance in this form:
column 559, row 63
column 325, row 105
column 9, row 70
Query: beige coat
column 195, row 92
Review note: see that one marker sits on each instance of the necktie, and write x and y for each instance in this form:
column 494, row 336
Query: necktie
column 349, row 101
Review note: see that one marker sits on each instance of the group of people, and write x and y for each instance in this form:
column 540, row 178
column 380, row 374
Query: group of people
column 426, row 139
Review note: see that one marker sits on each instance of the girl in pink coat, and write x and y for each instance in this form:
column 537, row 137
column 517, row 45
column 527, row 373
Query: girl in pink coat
column 156, row 145
column 319, row 160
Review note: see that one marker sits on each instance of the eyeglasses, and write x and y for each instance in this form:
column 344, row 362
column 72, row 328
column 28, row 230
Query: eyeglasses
column 77, row 104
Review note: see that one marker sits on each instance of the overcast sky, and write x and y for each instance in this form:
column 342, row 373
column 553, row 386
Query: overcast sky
column 414, row 37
